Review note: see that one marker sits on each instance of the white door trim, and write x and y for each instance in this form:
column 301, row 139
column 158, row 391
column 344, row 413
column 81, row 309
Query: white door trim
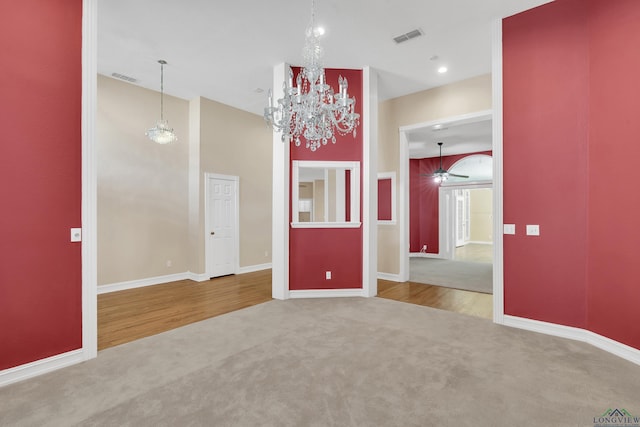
column 208, row 176
column 403, row 216
column 498, row 247
column 89, row 180
column 446, row 220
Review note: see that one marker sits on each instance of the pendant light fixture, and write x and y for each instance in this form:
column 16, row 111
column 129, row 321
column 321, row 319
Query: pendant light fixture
column 311, row 109
column 161, row 133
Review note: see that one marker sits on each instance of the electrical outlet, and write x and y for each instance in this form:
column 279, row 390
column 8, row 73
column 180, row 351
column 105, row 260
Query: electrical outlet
column 509, row 229
column 327, row 275
column 266, row 254
column 76, row 234
column 533, row 230
column 169, row 263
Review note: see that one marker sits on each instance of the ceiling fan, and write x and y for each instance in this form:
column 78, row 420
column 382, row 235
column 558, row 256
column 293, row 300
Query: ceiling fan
column 440, row 174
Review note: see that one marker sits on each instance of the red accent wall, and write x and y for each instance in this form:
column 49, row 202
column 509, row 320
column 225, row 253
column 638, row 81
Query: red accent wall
column 570, row 150
column 312, row 252
column 424, row 202
column 385, row 204
column 40, row 87
column 614, row 153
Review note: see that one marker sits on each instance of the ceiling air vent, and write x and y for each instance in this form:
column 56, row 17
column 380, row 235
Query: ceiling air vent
column 123, row 77
column 408, row 36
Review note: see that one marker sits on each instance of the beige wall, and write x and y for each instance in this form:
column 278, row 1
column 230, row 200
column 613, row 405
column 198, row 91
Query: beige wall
column 238, row 143
column 147, row 212
column 142, row 202
column 464, row 97
column 481, row 215
column 151, row 197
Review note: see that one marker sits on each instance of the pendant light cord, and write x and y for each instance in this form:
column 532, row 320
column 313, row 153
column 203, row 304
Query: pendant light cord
column 162, row 64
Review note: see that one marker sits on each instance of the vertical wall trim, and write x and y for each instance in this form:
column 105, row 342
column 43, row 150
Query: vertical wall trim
column 403, row 216
column 370, row 183
column 89, row 180
column 498, row 245
column 280, row 220
column 196, row 262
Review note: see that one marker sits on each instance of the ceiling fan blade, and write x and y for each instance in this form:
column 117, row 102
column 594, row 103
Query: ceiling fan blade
column 458, row 176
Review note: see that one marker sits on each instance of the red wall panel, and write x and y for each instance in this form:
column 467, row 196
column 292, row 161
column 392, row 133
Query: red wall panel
column 312, row 252
column 424, row 201
column 40, row 87
column 385, row 204
column 614, row 152
column 546, row 95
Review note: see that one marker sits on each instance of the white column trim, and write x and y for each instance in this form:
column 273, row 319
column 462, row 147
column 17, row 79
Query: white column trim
column 498, row 187
column 280, row 208
column 89, row 181
column 404, row 200
column 369, row 182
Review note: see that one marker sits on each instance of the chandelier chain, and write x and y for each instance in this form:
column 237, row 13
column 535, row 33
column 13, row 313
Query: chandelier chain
column 311, row 109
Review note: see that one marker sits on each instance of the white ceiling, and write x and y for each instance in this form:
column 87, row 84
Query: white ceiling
column 458, row 138
column 226, row 50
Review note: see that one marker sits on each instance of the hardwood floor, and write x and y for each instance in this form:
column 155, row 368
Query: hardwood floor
column 137, row 313
column 465, row 302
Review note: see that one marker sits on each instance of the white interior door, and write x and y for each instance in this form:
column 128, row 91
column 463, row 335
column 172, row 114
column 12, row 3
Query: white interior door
column 221, row 226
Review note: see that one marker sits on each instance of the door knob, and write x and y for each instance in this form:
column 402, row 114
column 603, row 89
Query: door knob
column 213, row 232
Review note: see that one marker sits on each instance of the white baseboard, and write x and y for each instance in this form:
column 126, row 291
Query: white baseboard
column 480, row 242
column 389, row 276
column 254, row 268
column 423, row 255
column 197, row 277
column 150, row 281
column 40, row 367
column 327, row 293
column 621, row 350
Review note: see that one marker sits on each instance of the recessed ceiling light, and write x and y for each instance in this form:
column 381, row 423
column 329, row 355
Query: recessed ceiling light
column 442, row 69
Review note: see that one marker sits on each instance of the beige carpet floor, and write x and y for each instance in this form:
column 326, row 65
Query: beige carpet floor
column 332, row 362
column 466, row 275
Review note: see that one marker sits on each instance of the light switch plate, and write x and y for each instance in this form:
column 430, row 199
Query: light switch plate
column 533, row 230
column 509, row 229
column 76, row 234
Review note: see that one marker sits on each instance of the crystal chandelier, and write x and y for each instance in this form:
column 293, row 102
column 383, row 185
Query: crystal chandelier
column 161, row 132
column 311, row 108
